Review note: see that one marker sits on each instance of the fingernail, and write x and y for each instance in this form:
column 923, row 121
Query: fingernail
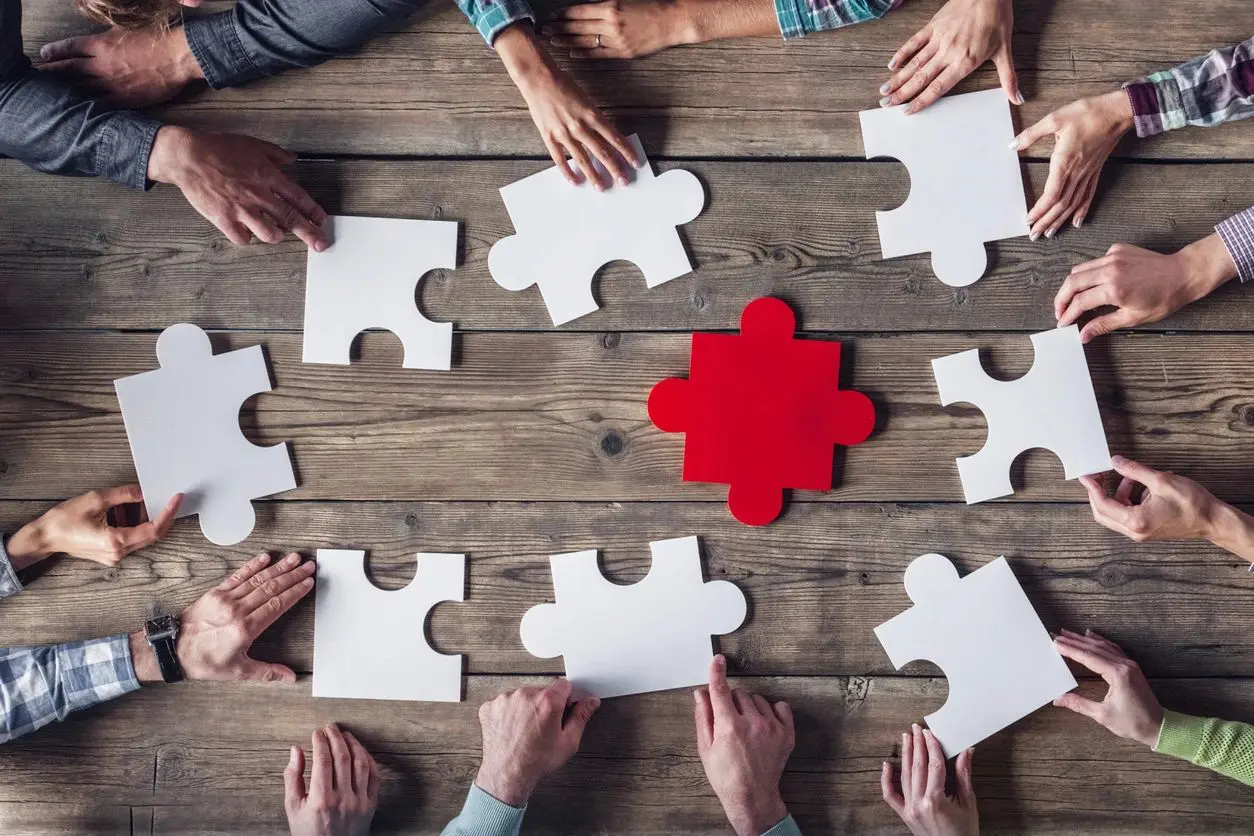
column 720, row 661
column 1117, row 459
column 885, row 102
column 914, row 727
column 1018, row 97
column 291, row 560
column 596, row 702
column 1032, row 236
column 1014, row 144
column 892, row 65
column 623, row 181
column 1049, row 233
column 1077, row 221
column 885, row 87
column 291, row 756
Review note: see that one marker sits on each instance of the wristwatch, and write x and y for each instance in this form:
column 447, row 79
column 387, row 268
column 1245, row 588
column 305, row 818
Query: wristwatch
column 161, row 633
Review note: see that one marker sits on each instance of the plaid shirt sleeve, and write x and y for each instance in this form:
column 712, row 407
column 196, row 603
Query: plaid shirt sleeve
column 798, row 18
column 41, row 684
column 9, row 584
column 1237, row 234
column 491, row 16
column 1212, row 88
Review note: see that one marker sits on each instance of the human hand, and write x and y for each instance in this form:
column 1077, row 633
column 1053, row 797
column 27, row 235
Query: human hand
column 216, row 632
column 1169, row 507
column 922, row 803
column 1142, row 286
column 567, row 119
column 1129, row 709
column 128, row 67
column 619, row 28
column 82, row 528
column 1085, row 133
column 744, row 742
column 343, row 790
column 958, row 39
column 236, row 183
column 525, row 739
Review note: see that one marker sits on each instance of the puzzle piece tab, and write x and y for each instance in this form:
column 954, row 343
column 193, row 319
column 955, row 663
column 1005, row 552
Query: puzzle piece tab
column 651, row 636
column 566, row 233
column 965, row 184
column 182, row 421
column 371, row 643
column 366, row 279
column 761, row 411
column 983, row 634
column 1051, row 407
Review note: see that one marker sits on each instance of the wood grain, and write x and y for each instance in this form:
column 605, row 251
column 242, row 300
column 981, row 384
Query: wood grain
column 82, row 254
column 433, row 88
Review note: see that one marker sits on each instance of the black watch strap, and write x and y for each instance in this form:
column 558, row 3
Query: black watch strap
column 168, row 659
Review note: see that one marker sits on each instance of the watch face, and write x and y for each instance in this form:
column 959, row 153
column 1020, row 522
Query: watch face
column 161, row 627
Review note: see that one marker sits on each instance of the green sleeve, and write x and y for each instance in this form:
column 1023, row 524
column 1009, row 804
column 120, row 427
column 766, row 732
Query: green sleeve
column 1223, row 746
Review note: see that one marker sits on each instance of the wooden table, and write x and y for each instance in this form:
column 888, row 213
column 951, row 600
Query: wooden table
column 538, row 441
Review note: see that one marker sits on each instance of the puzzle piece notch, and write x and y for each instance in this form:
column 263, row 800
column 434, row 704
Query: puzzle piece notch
column 367, row 279
column 565, row 233
column 986, row 638
column 653, row 635
column 182, row 423
column 966, row 184
column 1052, row 407
column 762, row 411
column 371, row 643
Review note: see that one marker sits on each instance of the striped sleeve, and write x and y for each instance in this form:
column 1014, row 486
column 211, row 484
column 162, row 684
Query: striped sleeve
column 1212, row 88
column 798, row 18
column 1237, row 233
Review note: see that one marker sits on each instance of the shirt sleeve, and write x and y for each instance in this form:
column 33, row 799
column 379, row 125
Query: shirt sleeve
column 490, row 17
column 483, row 815
column 1219, row 745
column 787, row 827
column 9, row 584
column 798, row 18
column 47, row 124
column 1212, row 88
column 1237, row 233
column 41, row 684
column 259, row 38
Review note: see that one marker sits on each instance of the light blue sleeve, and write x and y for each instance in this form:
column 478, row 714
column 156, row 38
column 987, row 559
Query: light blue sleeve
column 788, row 827
column 483, row 815
column 491, row 16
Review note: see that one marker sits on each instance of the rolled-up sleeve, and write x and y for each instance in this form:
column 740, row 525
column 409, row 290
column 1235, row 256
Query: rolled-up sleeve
column 1205, row 91
column 491, row 17
column 1237, row 233
column 798, row 18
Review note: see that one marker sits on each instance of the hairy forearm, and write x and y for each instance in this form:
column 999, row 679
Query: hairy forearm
column 1231, row 529
column 144, row 659
column 712, row 20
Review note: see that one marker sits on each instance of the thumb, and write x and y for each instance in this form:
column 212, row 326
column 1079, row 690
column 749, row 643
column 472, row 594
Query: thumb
column 1105, row 324
column 255, row 671
column 1005, row 65
column 580, row 714
column 1080, row 705
column 1135, row 470
column 294, row 778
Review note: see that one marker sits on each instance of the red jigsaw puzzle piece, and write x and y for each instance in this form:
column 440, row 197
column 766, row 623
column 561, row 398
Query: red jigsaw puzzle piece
column 761, row 411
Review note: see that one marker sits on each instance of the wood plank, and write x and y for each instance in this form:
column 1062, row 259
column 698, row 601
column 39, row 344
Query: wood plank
column 82, row 254
column 563, row 416
column 433, row 88
column 33, row 818
column 638, row 771
column 818, row 581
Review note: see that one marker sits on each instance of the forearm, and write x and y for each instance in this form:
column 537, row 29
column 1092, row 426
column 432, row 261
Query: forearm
column 1232, row 530
column 712, row 20
column 797, row 18
column 1207, row 266
column 40, row 685
column 1223, row 746
column 483, row 815
column 259, row 38
column 1208, row 90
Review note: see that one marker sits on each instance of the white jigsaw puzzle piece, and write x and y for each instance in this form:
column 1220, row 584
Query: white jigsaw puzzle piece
column 650, row 636
column 366, row 279
column 182, row 422
column 1052, row 407
column 371, row 643
column 965, row 184
column 984, row 635
column 566, row 233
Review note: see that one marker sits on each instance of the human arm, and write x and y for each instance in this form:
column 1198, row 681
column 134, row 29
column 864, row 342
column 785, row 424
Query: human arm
column 1131, row 711
column 1208, row 90
column 744, row 742
column 922, row 803
column 39, row 685
column 528, row 734
column 1169, row 507
column 343, row 792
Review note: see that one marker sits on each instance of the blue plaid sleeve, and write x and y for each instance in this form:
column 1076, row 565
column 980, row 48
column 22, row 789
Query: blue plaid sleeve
column 798, row 18
column 491, row 16
column 41, row 684
column 9, row 584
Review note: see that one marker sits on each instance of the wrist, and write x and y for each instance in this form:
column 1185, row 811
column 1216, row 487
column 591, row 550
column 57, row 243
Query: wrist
column 29, row 545
column 755, row 815
column 1207, row 264
column 688, row 24
column 505, row 787
column 1229, row 529
column 169, row 152
column 525, row 58
column 183, row 66
column 1117, row 109
column 144, row 660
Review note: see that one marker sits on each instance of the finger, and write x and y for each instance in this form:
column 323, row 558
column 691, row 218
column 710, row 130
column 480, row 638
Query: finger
column 783, row 713
column 295, row 222
column 614, row 164
column 558, row 154
column 1034, row 134
column 361, row 764
column 1081, row 197
column 1080, row 705
column 576, row 26
column 1100, row 639
column 935, row 765
column 106, row 498
column 907, row 764
column 165, row 519
column 580, row 11
column 762, row 706
column 1054, row 214
column 1123, row 493
column 68, row 67
column 1055, row 185
column 294, row 777
column 889, row 790
column 1097, row 662
column 372, row 791
column 261, row 618
column 557, row 694
column 744, row 705
column 584, row 42
column 1135, row 470
column 577, row 721
column 918, row 764
column 66, row 48
column 253, row 671
column 943, row 83
column 916, row 42
column 1105, row 509
column 279, row 155
column 146, row 533
column 902, row 76
column 245, row 572
column 1004, row 62
column 584, row 163
column 261, row 225
column 322, row 777
column 720, row 692
column 966, row 786
column 621, row 145
column 234, row 231
column 920, row 78
column 703, row 715
column 1085, row 301
column 1079, row 280
column 1085, row 199
column 292, row 193
column 341, row 759
column 247, row 592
